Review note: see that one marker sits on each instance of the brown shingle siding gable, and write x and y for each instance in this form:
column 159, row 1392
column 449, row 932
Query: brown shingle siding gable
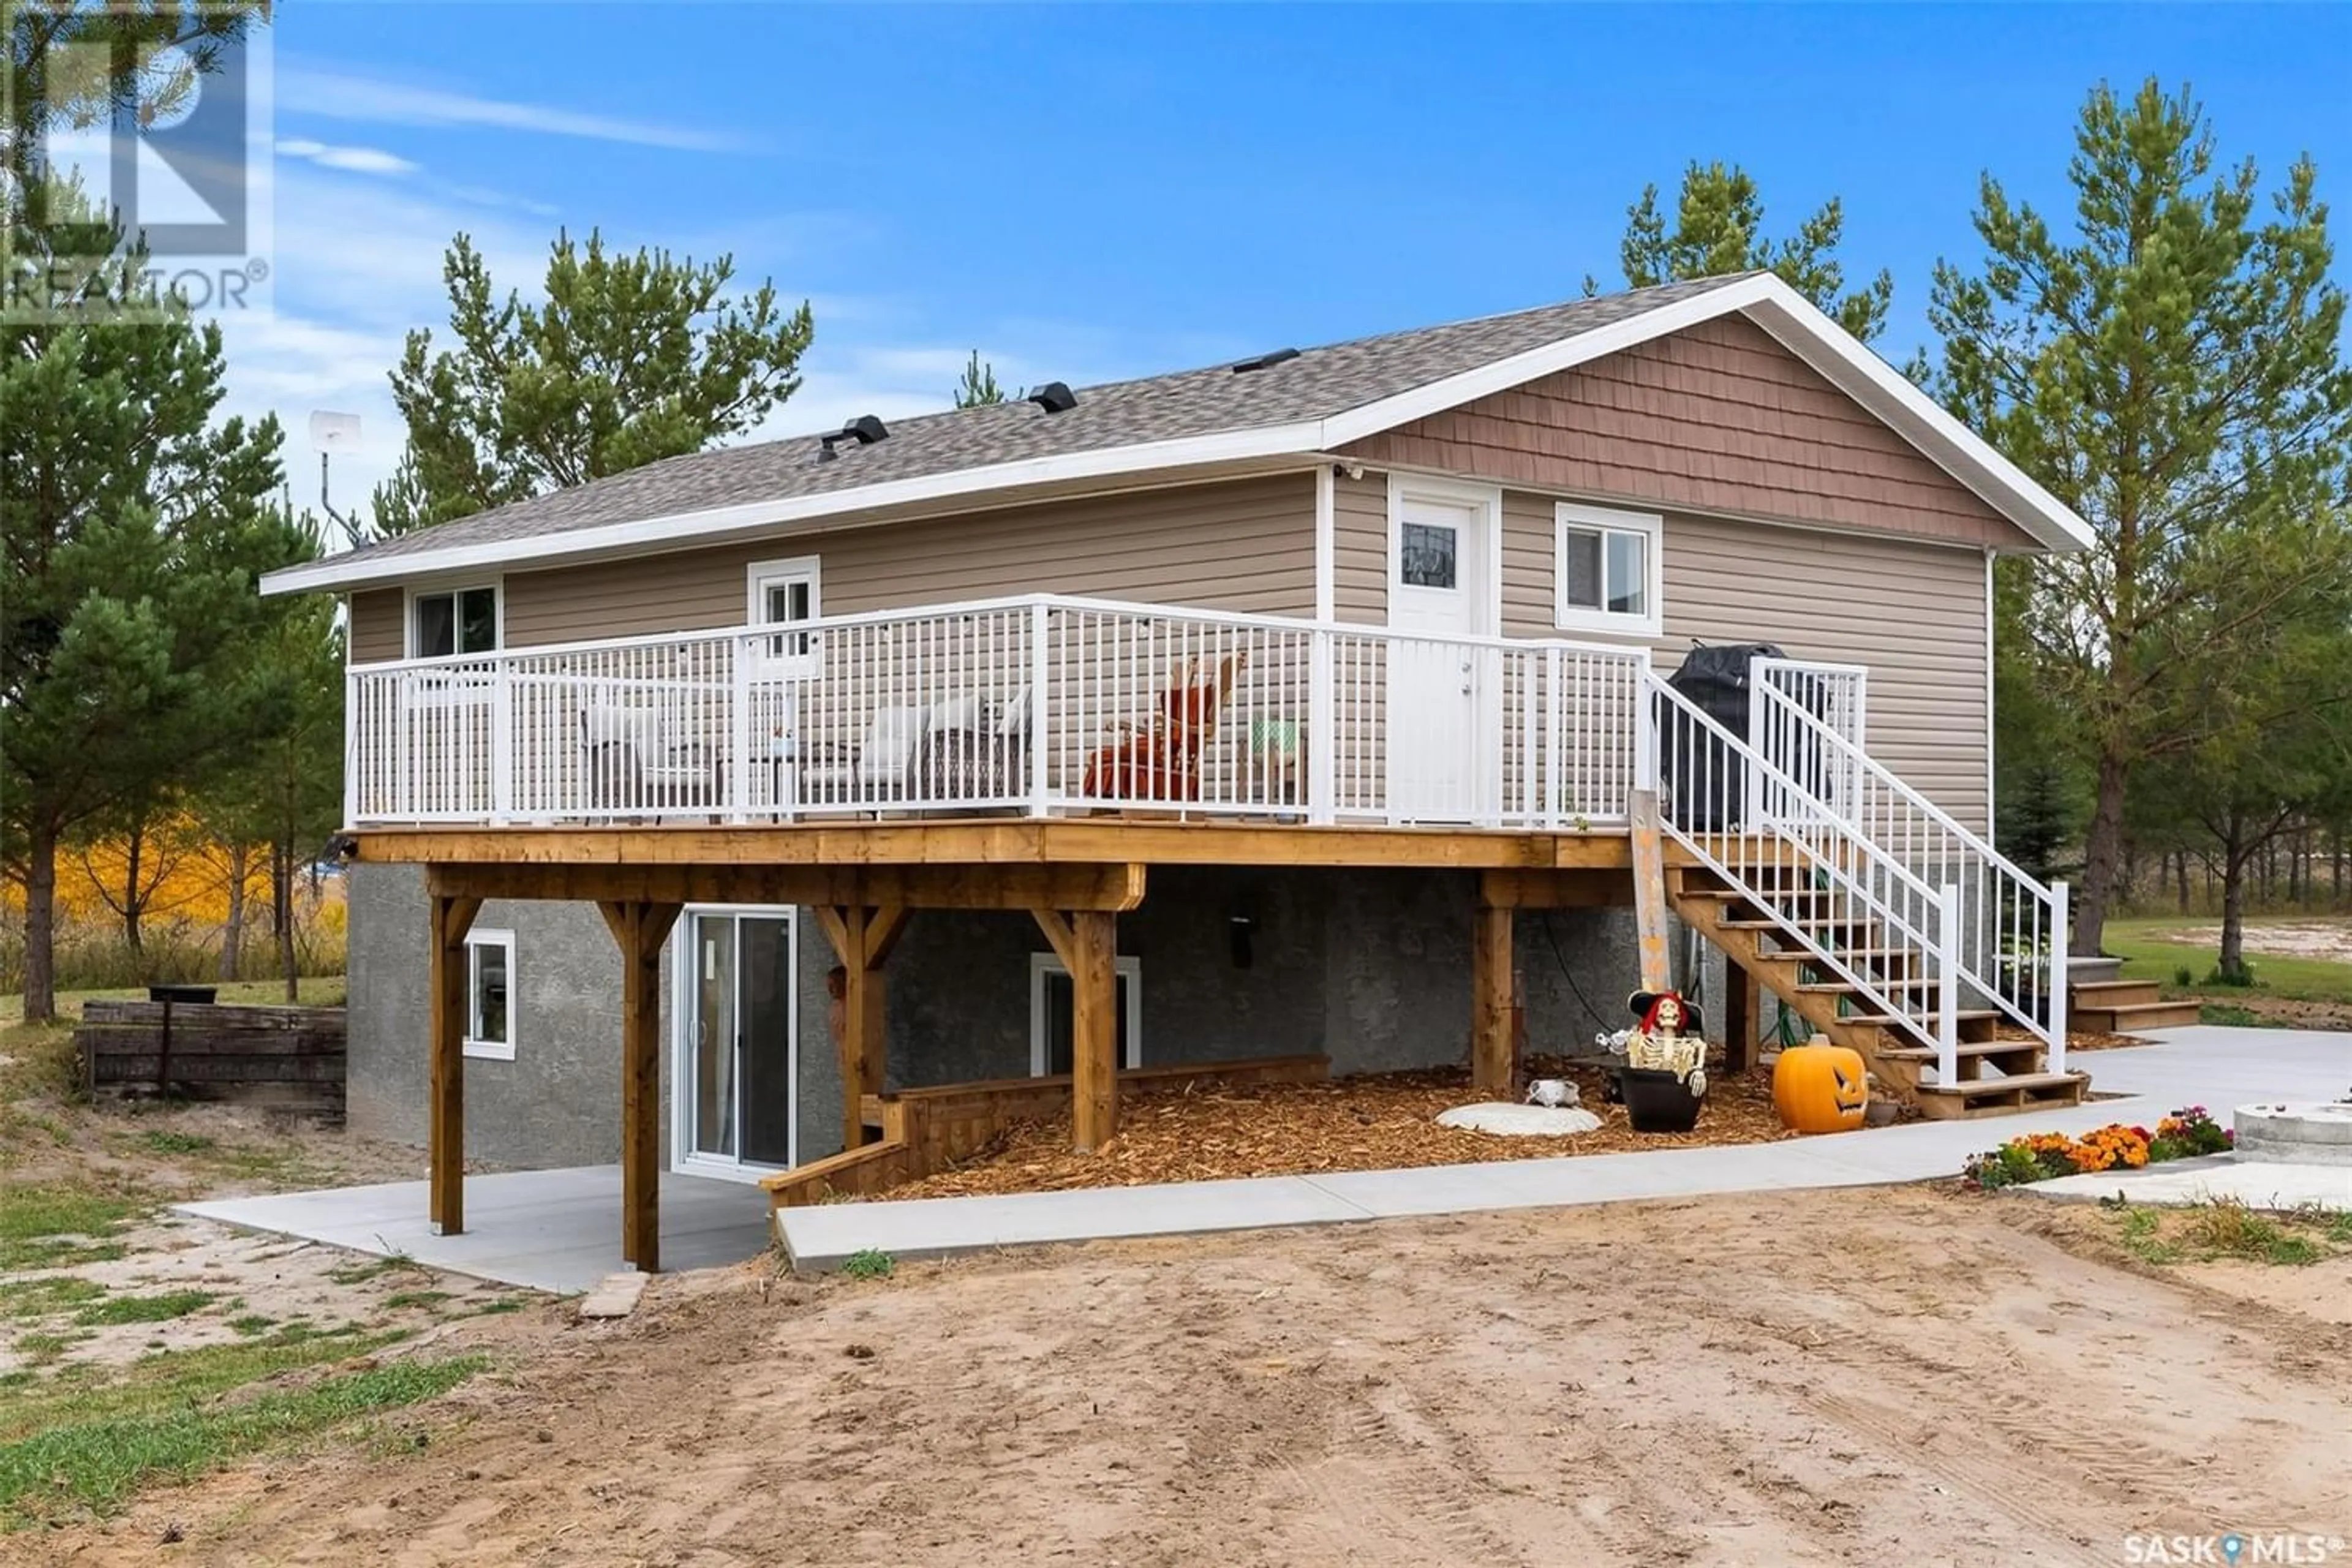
column 1716, row 418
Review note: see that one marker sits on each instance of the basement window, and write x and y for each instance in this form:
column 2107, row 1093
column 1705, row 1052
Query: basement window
column 489, row 995
column 1049, row 1013
column 1606, row 571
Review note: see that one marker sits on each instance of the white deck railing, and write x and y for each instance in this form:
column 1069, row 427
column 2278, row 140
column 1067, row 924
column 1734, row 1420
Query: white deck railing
column 2010, row 933
column 1042, row 704
column 1816, row 877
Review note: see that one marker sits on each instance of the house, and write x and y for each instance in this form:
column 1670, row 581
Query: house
column 1295, row 707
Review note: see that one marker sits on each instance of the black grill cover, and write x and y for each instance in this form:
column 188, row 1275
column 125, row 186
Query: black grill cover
column 1715, row 680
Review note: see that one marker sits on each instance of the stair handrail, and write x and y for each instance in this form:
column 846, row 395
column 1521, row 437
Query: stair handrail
column 1933, row 1017
column 2028, row 931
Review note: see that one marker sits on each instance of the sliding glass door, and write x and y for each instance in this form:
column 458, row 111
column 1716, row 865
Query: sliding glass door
column 736, row 1059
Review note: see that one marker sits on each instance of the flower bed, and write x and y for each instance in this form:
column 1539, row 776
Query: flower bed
column 2039, row 1156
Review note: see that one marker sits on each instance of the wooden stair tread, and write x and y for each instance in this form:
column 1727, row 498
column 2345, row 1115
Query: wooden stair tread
column 1980, row 1087
column 1892, row 1021
column 2146, row 1014
column 1963, row 1048
column 2095, row 989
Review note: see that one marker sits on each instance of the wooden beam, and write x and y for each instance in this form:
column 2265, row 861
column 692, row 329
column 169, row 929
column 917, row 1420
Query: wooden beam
column 446, row 1088
column 1511, row 887
column 639, row 929
column 1649, row 893
column 1059, row 937
column 975, row 886
column 1094, row 1029
column 1492, row 982
column 1743, row 1016
column 882, row 932
column 1047, row 841
column 861, row 939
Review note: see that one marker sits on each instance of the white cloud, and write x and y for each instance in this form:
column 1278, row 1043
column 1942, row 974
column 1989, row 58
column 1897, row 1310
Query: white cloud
column 339, row 95
column 351, row 159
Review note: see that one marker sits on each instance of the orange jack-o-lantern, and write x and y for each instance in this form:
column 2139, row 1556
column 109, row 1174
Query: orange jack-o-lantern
column 1819, row 1088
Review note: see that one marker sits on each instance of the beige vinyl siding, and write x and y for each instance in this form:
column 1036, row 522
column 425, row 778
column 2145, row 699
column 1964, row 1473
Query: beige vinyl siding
column 1246, row 546
column 1915, row 613
column 377, row 634
column 1718, row 418
column 1359, row 548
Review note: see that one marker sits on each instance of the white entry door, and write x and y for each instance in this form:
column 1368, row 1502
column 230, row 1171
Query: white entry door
column 1442, row 762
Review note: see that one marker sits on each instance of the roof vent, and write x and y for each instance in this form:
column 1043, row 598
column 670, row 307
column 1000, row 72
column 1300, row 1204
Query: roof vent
column 1054, row 398
column 1264, row 360
column 865, row 429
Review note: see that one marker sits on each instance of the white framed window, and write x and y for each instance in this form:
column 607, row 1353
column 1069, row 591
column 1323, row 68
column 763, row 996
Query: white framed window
column 1607, row 572
column 1049, row 1013
column 782, row 594
column 489, row 995
column 445, row 621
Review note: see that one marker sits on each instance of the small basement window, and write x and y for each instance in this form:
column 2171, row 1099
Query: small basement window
column 489, row 995
column 1049, row 1013
column 443, row 622
column 1607, row 572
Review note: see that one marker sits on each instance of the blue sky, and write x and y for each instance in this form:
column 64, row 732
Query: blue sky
column 1090, row 192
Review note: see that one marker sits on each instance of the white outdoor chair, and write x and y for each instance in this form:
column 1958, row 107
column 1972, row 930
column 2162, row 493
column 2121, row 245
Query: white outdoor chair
column 877, row 771
column 638, row 760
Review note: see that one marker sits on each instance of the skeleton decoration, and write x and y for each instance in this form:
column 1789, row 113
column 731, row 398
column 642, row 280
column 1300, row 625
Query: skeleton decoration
column 1667, row 1039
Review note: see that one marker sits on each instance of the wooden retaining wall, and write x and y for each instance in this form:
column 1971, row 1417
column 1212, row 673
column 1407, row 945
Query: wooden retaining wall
column 290, row 1057
column 930, row 1129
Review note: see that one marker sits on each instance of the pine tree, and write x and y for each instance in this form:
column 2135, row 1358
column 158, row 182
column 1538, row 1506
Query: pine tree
column 2169, row 369
column 1718, row 228
column 978, row 388
column 631, row 359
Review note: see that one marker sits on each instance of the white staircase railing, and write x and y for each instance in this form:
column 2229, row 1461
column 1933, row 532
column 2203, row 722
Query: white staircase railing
column 1788, row 853
column 2009, row 937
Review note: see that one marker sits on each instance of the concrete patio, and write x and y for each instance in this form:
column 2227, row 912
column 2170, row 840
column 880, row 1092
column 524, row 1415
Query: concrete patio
column 559, row 1230
column 549, row 1230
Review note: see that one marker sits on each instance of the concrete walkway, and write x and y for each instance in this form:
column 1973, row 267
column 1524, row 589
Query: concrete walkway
column 549, row 1230
column 2215, row 1068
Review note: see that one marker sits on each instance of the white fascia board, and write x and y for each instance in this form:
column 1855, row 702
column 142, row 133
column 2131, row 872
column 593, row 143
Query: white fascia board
column 339, row 573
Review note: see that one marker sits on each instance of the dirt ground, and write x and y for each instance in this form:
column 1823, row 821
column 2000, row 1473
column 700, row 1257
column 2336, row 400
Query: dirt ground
column 1857, row 1376
column 2330, row 940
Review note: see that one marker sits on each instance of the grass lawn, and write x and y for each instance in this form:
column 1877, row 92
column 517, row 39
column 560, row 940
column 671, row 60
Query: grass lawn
column 2152, row 948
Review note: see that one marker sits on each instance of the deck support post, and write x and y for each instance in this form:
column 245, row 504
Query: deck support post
column 452, row 919
column 1743, row 1016
column 1492, row 982
column 1087, row 941
column 640, row 928
column 861, row 937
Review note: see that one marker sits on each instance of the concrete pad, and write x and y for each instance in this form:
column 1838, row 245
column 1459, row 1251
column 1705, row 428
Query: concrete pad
column 2216, row 1068
column 2257, row 1184
column 616, row 1296
column 558, row 1231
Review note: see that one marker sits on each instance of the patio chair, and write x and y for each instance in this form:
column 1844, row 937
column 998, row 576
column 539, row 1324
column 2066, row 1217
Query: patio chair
column 879, row 768
column 1160, row 761
column 636, row 760
column 972, row 761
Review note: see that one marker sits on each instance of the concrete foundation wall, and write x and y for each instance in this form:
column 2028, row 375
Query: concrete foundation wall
column 1370, row 967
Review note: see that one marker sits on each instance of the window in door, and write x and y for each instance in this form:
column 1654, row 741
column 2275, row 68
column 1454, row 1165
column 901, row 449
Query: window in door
column 443, row 622
column 1426, row 555
column 1606, row 570
column 489, row 995
column 783, row 593
column 1049, row 1013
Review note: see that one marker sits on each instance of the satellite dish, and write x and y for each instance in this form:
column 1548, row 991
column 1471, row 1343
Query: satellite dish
column 332, row 432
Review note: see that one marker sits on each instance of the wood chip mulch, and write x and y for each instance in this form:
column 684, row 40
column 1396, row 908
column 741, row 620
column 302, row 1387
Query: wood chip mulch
column 2082, row 1039
column 1371, row 1121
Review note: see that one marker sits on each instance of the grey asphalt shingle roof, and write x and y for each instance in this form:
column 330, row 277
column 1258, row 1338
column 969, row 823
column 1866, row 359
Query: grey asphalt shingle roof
column 1318, row 383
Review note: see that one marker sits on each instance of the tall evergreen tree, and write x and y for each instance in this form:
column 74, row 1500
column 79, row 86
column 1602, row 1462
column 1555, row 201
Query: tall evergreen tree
column 1718, row 227
column 631, row 358
column 132, row 527
column 2169, row 369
